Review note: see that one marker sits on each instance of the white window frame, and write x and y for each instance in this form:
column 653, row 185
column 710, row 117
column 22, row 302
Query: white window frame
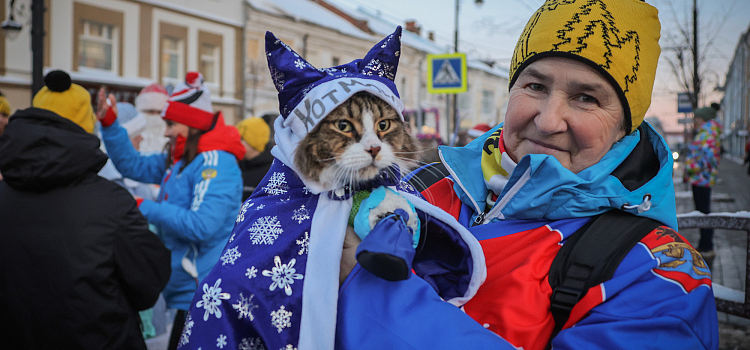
column 180, row 52
column 213, row 86
column 488, row 102
column 114, row 42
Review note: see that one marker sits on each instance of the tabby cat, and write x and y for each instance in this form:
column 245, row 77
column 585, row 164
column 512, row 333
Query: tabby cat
column 356, row 142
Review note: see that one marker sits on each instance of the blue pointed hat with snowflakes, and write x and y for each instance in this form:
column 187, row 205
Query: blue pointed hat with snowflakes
column 307, row 94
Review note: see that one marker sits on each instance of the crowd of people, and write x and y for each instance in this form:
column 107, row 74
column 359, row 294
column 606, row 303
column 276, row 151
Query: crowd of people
column 102, row 220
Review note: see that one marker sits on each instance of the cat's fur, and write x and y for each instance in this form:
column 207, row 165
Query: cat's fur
column 355, row 142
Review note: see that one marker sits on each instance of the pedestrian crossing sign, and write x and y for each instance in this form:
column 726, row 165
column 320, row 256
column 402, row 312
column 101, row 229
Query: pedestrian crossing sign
column 446, row 73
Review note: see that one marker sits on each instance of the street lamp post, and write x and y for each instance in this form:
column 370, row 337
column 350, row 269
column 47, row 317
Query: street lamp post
column 37, row 41
column 455, row 121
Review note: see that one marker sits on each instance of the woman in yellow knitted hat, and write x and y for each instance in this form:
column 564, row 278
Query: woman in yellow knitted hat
column 70, row 101
column 4, row 113
column 572, row 201
column 255, row 134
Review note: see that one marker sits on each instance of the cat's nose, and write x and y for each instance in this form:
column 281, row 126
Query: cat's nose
column 373, row 151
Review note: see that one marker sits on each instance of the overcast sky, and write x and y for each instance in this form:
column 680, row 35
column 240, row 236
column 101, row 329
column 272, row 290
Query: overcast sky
column 491, row 30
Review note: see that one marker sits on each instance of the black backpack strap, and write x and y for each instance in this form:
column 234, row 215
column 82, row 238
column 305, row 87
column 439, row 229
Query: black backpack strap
column 428, row 175
column 590, row 256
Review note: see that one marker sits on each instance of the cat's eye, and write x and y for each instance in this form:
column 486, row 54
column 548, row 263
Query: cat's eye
column 344, row 125
column 384, row 125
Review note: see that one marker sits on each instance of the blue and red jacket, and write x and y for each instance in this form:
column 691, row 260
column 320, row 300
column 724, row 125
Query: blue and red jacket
column 659, row 296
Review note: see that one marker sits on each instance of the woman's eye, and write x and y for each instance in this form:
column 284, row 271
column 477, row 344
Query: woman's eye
column 587, row 99
column 384, row 125
column 536, row 87
column 344, row 126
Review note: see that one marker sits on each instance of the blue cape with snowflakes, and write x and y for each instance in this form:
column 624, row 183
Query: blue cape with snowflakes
column 276, row 284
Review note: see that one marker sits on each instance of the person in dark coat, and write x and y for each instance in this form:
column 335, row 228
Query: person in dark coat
column 255, row 134
column 77, row 259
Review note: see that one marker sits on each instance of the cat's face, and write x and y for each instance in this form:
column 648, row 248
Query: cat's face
column 355, row 142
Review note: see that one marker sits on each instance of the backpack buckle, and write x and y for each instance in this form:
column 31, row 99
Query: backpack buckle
column 564, row 298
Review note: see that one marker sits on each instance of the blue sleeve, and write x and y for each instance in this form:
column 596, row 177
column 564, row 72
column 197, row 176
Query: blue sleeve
column 216, row 194
column 376, row 314
column 129, row 162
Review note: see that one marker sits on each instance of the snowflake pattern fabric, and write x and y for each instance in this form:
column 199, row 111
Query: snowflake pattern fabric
column 265, row 230
column 253, row 295
column 257, row 285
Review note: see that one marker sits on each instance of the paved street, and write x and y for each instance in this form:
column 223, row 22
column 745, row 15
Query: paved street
column 731, row 194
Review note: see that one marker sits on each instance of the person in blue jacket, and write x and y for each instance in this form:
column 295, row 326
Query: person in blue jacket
column 201, row 185
column 573, row 146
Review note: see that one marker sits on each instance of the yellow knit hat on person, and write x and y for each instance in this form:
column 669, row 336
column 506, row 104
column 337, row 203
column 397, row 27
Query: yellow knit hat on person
column 618, row 38
column 70, row 101
column 4, row 105
column 255, row 132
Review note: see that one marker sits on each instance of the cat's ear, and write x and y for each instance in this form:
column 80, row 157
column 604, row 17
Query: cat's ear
column 288, row 69
column 382, row 60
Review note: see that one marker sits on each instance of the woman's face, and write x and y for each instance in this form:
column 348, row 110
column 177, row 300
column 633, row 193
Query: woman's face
column 175, row 129
column 564, row 108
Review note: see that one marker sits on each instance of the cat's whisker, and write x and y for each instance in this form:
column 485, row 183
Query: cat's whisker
column 325, row 160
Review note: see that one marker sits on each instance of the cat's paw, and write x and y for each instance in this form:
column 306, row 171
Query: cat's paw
column 381, row 203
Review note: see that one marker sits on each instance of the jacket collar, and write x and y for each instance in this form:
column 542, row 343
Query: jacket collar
column 540, row 187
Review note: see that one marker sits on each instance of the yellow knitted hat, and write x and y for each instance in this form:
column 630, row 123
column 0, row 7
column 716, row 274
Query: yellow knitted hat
column 4, row 105
column 70, row 101
column 618, row 38
column 255, row 132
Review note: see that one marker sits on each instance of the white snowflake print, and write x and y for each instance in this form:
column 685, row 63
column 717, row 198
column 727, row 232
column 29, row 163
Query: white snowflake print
column 285, row 200
column 243, row 210
column 259, row 207
column 245, row 306
column 230, row 256
column 304, row 244
column 299, row 64
column 221, row 341
column 301, row 214
column 281, row 318
column 265, row 230
column 278, row 78
column 252, row 272
column 212, row 297
column 187, row 330
column 379, row 68
column 251, row 344
column 276, row 184
column 306, row 190
column 231, row 239
column 330, row 71
column 282, row 275
column 288, row 347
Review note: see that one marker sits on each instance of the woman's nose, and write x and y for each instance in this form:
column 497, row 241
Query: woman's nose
column 552, row 115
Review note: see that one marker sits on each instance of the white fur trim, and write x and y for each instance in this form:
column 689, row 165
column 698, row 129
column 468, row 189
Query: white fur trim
column 136, row 125
column 153, row 101
column 323, row 98
column 479, row 268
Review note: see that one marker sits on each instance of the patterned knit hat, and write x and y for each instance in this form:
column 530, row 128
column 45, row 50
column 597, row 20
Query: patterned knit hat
column 307, row 94
column 190, row 103
column 4, row 105
column 151, row 98
column 256, row 132
column 70, row 101
column 618, row 38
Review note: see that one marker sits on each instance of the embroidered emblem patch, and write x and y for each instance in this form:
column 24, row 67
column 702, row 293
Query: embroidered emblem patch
column 679, row 261
column 208, row 174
